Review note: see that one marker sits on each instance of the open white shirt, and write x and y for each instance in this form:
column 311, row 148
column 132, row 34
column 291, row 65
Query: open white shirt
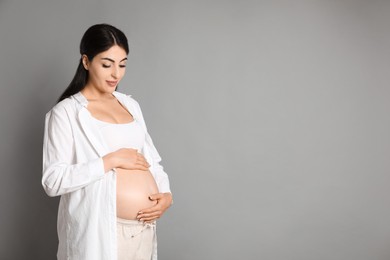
column 73, row 148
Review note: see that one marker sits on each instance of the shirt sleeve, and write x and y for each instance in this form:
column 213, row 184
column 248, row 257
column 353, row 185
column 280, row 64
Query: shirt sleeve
column 154, row 159
column 60, row 174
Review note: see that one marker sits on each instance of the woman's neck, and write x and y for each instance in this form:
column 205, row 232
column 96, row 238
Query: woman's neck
column 94, row 95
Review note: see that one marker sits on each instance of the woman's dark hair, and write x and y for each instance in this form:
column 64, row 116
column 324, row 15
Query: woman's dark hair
column 98, row 38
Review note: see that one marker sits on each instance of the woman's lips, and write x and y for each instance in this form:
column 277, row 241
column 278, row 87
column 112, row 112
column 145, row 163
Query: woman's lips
column 112, row 83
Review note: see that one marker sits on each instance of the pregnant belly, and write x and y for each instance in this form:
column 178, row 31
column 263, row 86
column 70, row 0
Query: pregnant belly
column 133, row 189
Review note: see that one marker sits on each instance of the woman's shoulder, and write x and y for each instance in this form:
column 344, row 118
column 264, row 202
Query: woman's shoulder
column 65, row 105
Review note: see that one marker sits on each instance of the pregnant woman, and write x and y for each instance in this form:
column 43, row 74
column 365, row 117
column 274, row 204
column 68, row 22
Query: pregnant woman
column 98, row 155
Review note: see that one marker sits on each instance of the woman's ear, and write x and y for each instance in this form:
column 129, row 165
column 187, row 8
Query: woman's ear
column 85, row 61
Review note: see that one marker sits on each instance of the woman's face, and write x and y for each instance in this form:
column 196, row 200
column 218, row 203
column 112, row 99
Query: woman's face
column 106, row 69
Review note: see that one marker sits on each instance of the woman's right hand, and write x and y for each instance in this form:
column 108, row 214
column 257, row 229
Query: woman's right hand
column 125, row 158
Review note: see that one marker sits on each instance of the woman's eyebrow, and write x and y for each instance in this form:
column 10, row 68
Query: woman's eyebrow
column 113, row 60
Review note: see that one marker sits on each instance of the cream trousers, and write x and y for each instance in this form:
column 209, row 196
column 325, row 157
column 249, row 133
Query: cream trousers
column 135, row 239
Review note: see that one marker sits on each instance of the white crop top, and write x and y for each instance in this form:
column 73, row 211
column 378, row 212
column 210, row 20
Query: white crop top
column 128, row 135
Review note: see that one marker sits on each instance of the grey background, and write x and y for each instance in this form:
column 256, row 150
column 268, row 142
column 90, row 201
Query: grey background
column 272, row 118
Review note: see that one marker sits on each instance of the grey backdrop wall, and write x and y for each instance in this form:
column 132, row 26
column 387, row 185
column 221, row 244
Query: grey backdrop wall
column 272, row 118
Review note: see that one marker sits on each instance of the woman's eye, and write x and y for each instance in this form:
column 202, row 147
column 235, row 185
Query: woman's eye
column 122, row 66
column 106, row 66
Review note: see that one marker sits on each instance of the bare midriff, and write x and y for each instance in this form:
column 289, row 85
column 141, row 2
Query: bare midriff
column 133, row 188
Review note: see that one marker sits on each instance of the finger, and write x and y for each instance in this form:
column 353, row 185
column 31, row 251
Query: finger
column 149, row 217
column 140, row 167
column 139, row 163
column 146, row 164
column 150, row 210
column 142, row 160
column 149, row 220
column 156, row 196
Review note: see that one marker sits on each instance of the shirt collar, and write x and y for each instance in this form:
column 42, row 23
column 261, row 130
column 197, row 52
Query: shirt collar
column 84, row 102
column 81, row 99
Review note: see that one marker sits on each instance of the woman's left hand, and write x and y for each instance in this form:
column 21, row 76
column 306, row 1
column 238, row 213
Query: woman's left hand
column 164, row 201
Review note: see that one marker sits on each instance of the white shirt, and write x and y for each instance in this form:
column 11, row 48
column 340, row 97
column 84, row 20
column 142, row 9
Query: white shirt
column 73, row 148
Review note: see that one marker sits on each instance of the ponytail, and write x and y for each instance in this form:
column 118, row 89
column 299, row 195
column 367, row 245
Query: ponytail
column 77, row 84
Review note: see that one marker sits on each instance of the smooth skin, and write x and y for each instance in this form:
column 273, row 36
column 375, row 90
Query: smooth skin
column 105, row 71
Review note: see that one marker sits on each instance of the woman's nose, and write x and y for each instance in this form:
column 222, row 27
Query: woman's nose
column 115, row 73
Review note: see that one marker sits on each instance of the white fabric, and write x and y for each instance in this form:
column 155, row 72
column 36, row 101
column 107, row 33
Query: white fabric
column 128, row 135
column 135, row 239
column 73, row 148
